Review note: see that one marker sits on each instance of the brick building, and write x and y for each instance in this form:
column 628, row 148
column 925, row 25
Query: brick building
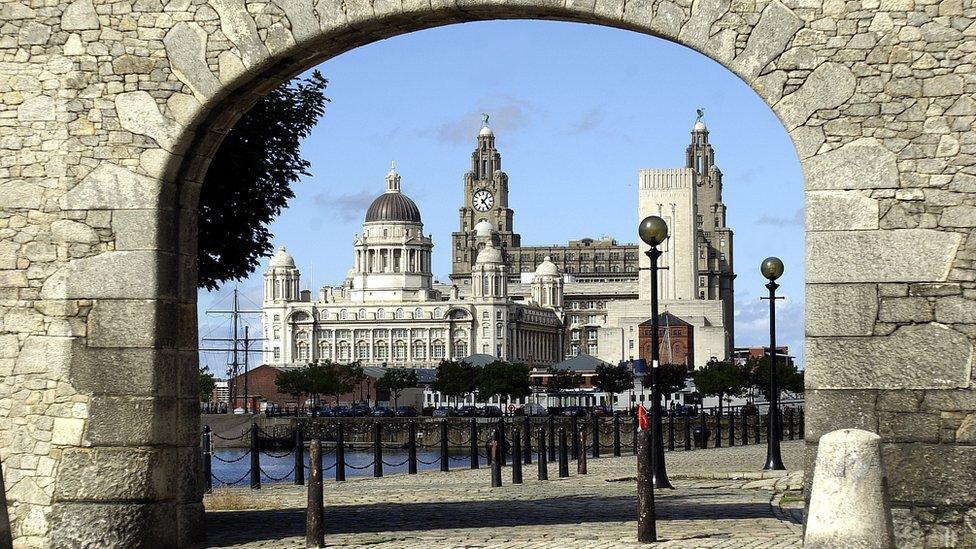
column 676, row 339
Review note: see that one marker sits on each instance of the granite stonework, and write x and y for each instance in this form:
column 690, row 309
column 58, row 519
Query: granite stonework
column 110, row 111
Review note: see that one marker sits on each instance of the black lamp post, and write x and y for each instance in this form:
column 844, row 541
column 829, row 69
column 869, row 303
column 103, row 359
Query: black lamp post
column 654, row 231
column 772, row 268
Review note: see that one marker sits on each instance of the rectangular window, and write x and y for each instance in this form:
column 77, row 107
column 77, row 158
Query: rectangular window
column 277, row 353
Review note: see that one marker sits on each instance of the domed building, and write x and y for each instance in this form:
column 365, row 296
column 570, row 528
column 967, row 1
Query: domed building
column 387, row 311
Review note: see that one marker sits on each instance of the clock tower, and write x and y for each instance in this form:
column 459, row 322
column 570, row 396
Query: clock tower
column 485, row 203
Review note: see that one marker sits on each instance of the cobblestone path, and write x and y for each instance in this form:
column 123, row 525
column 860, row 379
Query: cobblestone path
column 713, row 505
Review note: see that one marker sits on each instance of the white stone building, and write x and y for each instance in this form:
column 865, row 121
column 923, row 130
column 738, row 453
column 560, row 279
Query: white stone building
column 387, row 312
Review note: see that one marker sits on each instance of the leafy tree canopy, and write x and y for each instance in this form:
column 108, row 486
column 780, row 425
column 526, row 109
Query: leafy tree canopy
column 563, row 379
column 674, row 377
column 721, row 379
column 250, row 177
column 613, row 379
column 790, row 379
column 396, row 380
column 207, row 384
column 455, row 379
column 501, row 378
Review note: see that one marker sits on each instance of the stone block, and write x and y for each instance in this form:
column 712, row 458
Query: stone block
column 776, row 28
column 905, row 309
column 191, row 523
column 830, row 85
column 139, row 114
column 115, row 275
column 142, row 372
column 900, row 255
column 48, row 355
column 68, row 431
column 955, row 310
column 841, row 309
column 958, row 216
column 186, row 48
column 849, row 504
column 900, row 401
column 79, row 15
column 93, row 474
column 861, row 164
column 908, row 426
column 132, row 421
column 827, row 411
column 927, row 356
column 110, row 187
column 959, row 400
column 143, row 230
column 931, row 474
column 66, row 231
column 840, row 211
column 113, row 524
column 132, row 323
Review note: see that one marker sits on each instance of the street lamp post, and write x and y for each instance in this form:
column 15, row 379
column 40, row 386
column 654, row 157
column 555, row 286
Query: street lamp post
column 654, row 231
column 772, row 268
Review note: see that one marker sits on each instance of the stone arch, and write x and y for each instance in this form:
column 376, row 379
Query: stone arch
column 110, row 163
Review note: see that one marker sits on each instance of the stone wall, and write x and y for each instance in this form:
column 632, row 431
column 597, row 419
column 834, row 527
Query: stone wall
column 111, row 110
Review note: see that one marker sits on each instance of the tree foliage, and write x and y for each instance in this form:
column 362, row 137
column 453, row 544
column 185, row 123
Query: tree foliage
column 613, row 379
column 561, row 380
column 789, row 378
column 503, row 379
column 207, row 384
column 674, row 377
column 325, row 378
column 396, row 380
column 455, row 379
column 721, row 379
column 250, row 177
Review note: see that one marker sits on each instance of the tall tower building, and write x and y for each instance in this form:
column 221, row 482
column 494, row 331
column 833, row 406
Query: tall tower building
column 485, row 200
column 714, row 246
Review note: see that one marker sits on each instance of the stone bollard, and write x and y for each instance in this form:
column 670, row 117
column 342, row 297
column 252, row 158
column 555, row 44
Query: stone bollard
column 849, row 496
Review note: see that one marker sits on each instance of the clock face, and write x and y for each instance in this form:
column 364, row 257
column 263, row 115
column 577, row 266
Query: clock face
column 483, row 200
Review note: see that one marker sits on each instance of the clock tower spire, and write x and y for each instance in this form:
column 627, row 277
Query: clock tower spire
column 485, row 199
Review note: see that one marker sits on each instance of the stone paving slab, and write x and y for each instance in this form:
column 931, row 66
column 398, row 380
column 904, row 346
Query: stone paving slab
column 459, row 509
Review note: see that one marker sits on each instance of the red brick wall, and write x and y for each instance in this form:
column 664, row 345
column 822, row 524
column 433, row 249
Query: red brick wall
column 261, row 388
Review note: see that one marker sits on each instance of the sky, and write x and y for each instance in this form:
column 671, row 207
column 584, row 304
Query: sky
column 577, row 111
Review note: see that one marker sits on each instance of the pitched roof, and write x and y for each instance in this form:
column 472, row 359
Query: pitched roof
column 666, row 319
column 581, row 363
column 479, row 359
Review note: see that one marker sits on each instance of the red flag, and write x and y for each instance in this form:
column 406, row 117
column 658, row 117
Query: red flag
column 642, row 423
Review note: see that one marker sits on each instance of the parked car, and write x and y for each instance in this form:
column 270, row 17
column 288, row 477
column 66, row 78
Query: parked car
column 577, row 411
column 467, row 411
column 342, row 411
column 601, row 411
column 406, row 411
column 492, row 411
column 443, row 411
column 382, row 411
column 361, row 410
column 427, row 411
column 531, row 409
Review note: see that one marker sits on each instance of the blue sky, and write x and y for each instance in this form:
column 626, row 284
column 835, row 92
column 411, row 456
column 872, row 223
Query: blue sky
column 577, row 110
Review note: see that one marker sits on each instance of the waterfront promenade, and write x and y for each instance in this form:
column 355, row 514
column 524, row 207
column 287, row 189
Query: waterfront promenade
column 719, row 501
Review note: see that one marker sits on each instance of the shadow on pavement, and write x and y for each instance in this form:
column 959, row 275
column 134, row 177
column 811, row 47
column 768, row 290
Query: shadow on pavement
column 234, row 527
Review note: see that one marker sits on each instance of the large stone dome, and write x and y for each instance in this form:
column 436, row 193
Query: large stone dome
column 547, row 268
column 281, row 259
column 393, row 206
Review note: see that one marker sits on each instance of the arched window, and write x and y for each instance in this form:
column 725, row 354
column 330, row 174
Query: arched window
column 343, row 315
column 301, row 352
column 277, row 318
column 362, row 314
column 438, row 313
column 437, row 349
column 399, row 314
column 460, row 349
column 399, row 350
column 484, row 286
column 325, row 351
column 499, row 330
column 418, row 313
column 362, row 350
column 380, row 314
column 381, row 350
column 484, row 330
column 460, row 334
column 342, row 351
column 419, row 350
column 484, row 315
column 277, row 289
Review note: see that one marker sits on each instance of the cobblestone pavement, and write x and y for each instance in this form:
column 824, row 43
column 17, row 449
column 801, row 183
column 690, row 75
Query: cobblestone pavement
column 721, row 499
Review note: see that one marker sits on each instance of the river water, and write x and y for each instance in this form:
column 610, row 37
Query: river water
column 231, row 466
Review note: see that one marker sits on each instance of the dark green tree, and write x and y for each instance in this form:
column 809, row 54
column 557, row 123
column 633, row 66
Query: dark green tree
column 612, row 379
column 561, row 380
column 454, row 379
column 790, row 379
column 250, row 177
column 292, row 382
column 396, row 380
column 721, row 379
column 207, row 384
column 674, row 377
column 502, row 379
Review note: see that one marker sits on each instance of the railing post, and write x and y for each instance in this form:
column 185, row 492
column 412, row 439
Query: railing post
column 563, row 454
column 496, row 460
column 255, row 458
column 581, row 462
column 718, row 430
column 552, row 438
column 516, row 457
column 445, row 459
column 616, row 434
column 801, row 426
column 300, row 455
column 791, row 413
column 543, row 466
column 745, row 430
column 412, row 449
column 670, row 432
column 314, row 514
column 731, row 429
column 474, row 444
column 377, row 449
column 758, row 428
column 633, row 434
column 207, row 458
column 527, row 441
column 596, row 437
column 502, row 439
column 575, row 427
column 687, row 432
column 340, row 468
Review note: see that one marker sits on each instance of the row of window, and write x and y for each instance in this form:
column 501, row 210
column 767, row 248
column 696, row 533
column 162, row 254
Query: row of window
column 590, row 319
column 363, row 314
column 590, row 334
column 379, row 351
